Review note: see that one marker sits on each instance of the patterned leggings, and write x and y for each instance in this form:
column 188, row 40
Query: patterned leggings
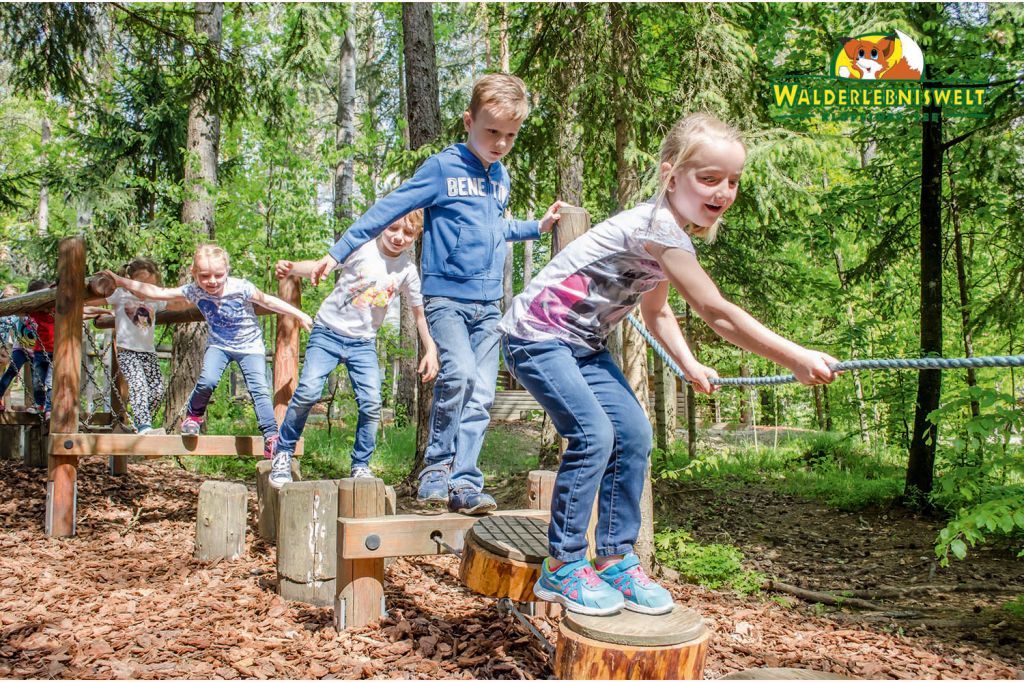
column 145, row 384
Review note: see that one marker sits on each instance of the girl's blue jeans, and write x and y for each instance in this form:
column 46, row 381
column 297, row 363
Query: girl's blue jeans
column 609, row 443
column 18, row 359
column 326, row 350
column 254, row 370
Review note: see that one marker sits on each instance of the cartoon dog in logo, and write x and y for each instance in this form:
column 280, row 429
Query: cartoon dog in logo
column 873, row 59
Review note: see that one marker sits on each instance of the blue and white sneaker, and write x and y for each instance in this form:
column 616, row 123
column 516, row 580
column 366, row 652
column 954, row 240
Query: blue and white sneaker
column 280, row 468
column 471, row 503
column 577, row 587
column 433, row 487
column 641, row 594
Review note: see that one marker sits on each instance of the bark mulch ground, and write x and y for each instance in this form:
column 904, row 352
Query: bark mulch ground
column 125, row 599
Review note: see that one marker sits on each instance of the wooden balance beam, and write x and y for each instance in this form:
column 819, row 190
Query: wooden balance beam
column 129, row 444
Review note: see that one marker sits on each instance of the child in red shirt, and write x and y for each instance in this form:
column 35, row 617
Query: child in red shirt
column 42, row 353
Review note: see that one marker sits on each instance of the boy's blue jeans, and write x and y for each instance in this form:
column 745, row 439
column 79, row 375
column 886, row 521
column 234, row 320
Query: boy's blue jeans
column 18, row 359
column 467, row 346
column 254, row 370
column 590, row 403
column 325, row 350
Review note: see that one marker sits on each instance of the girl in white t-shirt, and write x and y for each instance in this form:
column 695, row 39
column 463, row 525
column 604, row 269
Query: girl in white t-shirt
column 234, row 333
column 554, row 344
column 135, row 324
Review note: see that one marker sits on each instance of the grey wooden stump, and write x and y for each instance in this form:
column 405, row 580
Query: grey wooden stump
column 221, row 520
column 10, row 442
column 307, row 534
column 34, row 447
column 267, row 498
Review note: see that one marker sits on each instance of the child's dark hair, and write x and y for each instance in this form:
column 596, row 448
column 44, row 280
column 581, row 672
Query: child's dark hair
column 37, row 285
column 142, row 265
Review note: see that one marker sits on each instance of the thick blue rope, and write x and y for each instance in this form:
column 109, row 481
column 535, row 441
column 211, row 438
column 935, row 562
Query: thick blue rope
column 913, row 363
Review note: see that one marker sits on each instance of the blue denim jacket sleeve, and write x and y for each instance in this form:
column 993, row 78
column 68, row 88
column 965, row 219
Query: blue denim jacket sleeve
column 419, row 191
column 521, row 230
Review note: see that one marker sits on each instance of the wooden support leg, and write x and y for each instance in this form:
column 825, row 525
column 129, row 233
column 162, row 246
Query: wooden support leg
column 61, row 487
column 34, row 447
column 360, row 589
column 540, row 488
column 10, row 442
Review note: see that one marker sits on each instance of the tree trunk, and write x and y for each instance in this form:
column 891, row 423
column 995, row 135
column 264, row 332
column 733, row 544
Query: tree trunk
column 424, row 127
column 202, row 145
column 921, row 461
column 961, row 283
column 43, row 217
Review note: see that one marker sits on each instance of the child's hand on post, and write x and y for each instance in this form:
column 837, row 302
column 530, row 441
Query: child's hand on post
column 306, row 321
column 283, row 268
column 552, row 216
column 812, row 367
column 118, row 279
column 429, row 365
column 700, row 376
column 322, row 268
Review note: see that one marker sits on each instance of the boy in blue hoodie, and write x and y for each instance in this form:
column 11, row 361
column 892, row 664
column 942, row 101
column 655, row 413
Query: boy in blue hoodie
column 463, row 190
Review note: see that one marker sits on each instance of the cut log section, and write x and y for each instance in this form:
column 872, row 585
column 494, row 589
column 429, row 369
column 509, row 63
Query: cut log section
column 632, row 646
column 502, row 556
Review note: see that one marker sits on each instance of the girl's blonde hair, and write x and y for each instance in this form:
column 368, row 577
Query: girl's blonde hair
column 210, row 252
column 684, row 141
column 415, row 219
column 142, row 265
column 8, row 291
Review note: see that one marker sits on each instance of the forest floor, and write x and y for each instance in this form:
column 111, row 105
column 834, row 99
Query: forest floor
column 125, row 599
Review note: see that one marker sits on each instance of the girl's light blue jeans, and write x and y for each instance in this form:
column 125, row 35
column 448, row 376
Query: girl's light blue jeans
column 254, row 370
column 591, row 405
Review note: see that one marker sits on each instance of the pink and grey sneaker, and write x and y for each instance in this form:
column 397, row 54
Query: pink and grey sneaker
column 575, row 586
column 641, row 594
column 191, row 425
column 269, row 444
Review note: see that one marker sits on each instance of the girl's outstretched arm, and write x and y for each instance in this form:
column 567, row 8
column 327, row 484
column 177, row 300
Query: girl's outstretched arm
column 278, row 306
column 295, row 268
column 147, row 292
column 733, row 323
column 661, row 322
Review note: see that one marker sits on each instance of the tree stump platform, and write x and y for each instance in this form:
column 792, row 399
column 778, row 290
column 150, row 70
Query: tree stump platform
column 502, row 556
column 631, row 646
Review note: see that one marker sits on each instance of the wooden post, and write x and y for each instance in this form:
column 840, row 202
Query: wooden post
column 268, row 499
column 118, row 466
column 34, row 447
column 286, row 348
column 10, row 442
column 307, row 542
column 62, row 478
column 221, row 520
column 540, row 488
column 573, row 223
column 664, row 404
column 359, row 598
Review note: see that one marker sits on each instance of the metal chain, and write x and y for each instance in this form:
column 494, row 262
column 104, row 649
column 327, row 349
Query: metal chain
column 847, row 365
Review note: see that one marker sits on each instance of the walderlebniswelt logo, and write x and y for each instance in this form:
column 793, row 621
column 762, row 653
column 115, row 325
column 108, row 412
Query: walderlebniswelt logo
column 875, row 77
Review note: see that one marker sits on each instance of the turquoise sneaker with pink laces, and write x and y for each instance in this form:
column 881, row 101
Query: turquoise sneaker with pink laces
column 575, row 586
column 641, row 594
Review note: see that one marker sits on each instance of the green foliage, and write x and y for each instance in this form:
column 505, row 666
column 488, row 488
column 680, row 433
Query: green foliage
column 1015, row 606
column 982, row 465
column 712, row 566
